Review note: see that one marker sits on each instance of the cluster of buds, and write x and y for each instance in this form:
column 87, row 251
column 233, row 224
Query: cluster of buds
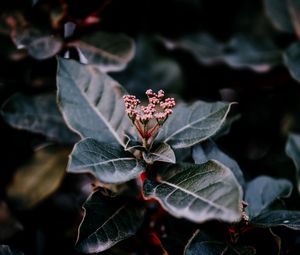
column 148, row 119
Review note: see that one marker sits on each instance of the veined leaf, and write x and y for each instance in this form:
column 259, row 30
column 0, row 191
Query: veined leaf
column 91, row 102
column 197, row 192
column 160, row 152
column 289, row 219
column 201, row 243
column 109, row 163
column 106, row 222
column 38, row 114
column 263, row 191
column 108, row 51
column 209, row 150
column 189, row 125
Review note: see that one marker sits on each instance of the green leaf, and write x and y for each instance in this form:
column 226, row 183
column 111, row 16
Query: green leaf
column 291, row 58
column 256, row 53
column 106, row 222
column 292, row 149
column 197, row 192
column 200, row 243
column 38, row 114
column 109, row 163
column 278, row 12
column 263, row 191
column 38, row 44
column 160, row 152
column 189, row 125
column 108, row 51
column 209, row 150
column 289, row 219
column 241, row 51
column 91, row 102
column 38, row 178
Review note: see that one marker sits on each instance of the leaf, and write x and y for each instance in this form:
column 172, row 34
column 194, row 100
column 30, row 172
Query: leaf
column 263, row 191
column 106, row 222
column 289, row 219
column 108, row 51
column 209, row 150
column 6, row 250
column 38, row 45
column 197, row 192
column 109, row 163
column 38, row 114
column 291, row 58
column 258, row 54
column 189, row 125
column 38, row 178
column 160, row 152
column 91, row 102
column 200, row 243
column 292, row 149
column 241, row 51
column 277, row 11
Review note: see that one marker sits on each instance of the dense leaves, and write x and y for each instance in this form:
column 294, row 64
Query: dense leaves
column 106, row 222
column 198, row 192
column 110, row 163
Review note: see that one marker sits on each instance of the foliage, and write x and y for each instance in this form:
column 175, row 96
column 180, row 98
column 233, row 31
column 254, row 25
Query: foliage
column 126, row 132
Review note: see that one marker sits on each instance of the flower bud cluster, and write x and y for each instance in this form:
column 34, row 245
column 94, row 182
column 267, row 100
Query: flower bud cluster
column 143, row 116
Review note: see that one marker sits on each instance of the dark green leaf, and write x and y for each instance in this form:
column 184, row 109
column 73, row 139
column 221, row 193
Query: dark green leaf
column 289, row 219
column 91, row 102
column 292, row 60
column 109, row 163
column 38, row 45
column 108, row 51
column 160, row 152
column 106, row 222
column 292, row 149
column 37, row 114
column 258, row 54
column 263, row 191
column 189, row 125
column 209, row 150
column 242, row 51
column 198, row 192
column 278, row 12
column 200, row 243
